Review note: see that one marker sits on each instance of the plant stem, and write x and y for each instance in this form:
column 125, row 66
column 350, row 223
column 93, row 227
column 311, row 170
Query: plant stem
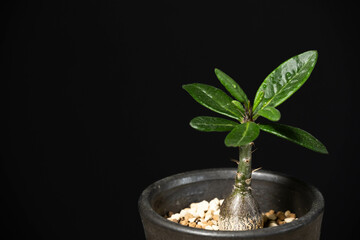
column 243, row 175
column 240, row 211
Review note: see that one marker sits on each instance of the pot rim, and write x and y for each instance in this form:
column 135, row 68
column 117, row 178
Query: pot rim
column 147, row 211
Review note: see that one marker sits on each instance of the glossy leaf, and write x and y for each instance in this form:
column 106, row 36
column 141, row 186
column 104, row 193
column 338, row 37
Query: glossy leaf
column 270, row 113
column 212, row 124
column 213, row 98
column 258, row 100
column 238, row 105
column 242, row 134
column 295, row 135
column 286, row 79
column 233, row 88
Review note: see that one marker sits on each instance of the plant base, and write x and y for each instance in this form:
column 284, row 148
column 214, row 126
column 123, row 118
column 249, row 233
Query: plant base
column 205, row 215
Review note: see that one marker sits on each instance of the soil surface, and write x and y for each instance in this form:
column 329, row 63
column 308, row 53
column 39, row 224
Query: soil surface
column 205, row 215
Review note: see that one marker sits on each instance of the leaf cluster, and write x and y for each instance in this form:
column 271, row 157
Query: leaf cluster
column 277, row 87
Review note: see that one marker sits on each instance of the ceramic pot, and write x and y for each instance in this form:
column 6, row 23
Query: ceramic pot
column 271, row 190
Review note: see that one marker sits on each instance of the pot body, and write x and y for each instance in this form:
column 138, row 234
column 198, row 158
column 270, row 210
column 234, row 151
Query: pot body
column 271, row 190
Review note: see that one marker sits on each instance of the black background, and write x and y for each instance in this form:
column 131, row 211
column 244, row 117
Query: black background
column 94, row 110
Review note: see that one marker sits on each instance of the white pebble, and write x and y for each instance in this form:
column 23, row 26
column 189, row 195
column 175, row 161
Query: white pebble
column 194, row 205
column 204, row 206
column 221, row 201
column 272, row 224
column 215, row 227
column 214, row 204
column 192, row 211
column 289, row 220
column 184, row 212
column 217, row 212
column 209, row 227
column 200, row 213
column 208, row 215
column 175, row 216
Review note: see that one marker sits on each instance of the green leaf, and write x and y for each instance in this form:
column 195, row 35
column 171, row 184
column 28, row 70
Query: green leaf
column 295, row 135
column 238, row 105
column 242, row 134
column 232, row 86
column 212, row 124
column 270, row 113
column 286, row 79
column 258, row 100
column 213, row 98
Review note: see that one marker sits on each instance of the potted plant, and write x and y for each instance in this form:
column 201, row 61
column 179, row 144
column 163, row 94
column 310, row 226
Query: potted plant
column 240, row 213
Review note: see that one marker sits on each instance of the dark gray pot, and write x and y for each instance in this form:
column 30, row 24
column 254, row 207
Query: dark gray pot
column 272, row 191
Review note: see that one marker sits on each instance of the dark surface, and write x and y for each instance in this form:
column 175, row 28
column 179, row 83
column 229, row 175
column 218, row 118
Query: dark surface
column 271, row 190
column 93, row 110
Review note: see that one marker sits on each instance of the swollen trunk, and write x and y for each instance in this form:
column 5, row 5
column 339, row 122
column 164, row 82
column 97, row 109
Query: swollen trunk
column 240, row 210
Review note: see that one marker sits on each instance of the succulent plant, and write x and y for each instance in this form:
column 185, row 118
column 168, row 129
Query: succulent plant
column 240, row 210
